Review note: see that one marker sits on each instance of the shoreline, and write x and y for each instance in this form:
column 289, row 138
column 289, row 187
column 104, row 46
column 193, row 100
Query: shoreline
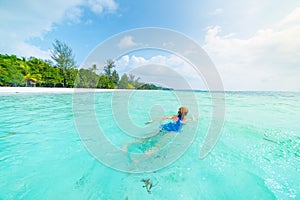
column 37, row 90
column 45, row 90
column 17, row 90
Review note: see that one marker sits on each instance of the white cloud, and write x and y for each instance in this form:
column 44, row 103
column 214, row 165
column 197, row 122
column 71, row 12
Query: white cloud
column 88, row 22
column 127, row 42
column 74, row 14
column 27, row 19
column 292, row 18
column 163, row 69
column 98, row 6
column 217, row 11
column 268, row 60
column 168, row 44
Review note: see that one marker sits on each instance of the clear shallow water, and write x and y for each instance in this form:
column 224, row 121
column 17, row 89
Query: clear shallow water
column 257, row 156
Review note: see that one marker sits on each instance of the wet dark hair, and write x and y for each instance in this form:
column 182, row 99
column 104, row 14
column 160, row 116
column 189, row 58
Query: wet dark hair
column 181, row 113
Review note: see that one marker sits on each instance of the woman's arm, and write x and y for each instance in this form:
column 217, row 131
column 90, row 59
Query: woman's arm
column 159, row 119
column 185, row 120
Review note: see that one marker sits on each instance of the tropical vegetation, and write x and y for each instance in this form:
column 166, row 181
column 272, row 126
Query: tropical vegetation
column 63, row 72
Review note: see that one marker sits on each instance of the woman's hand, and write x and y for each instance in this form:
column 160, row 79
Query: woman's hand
column 149, row 122
column 194, row 118
column 160, row 119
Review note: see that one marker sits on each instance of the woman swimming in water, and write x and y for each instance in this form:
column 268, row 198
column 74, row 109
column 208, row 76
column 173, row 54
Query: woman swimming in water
column 178, row 120
column 151, row 144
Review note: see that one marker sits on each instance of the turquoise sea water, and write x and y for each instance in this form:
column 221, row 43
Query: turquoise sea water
column 256, row 157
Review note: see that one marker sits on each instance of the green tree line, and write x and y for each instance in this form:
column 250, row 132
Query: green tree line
column 63, row 72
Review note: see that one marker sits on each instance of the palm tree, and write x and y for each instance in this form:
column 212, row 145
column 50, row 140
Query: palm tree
column 26, row 70
column 32, row 70
column 94, row 68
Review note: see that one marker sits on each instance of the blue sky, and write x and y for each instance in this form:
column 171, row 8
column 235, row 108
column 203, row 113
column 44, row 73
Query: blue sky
column 253, row 44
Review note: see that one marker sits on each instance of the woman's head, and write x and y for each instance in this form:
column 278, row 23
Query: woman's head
column 182, row 112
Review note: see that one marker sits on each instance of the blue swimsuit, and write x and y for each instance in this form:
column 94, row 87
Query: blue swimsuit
column 151, row 142
column 171, row 126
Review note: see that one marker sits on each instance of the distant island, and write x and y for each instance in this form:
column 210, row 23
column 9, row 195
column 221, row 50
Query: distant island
column 63, row 72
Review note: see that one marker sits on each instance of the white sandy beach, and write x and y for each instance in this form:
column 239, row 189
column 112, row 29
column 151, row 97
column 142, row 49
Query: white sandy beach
column 14, row 90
